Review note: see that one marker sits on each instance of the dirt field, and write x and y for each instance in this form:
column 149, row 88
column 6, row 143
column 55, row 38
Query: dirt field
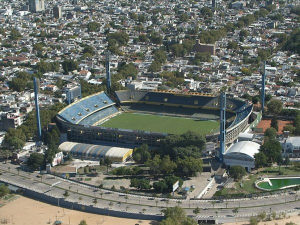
column 25, row 211
column 264, row 124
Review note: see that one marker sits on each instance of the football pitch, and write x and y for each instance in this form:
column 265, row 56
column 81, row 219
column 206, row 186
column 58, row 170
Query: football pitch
column 161, row 124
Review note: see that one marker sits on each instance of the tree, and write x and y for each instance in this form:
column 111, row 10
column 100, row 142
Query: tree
column 196, row 210
column 160, row 186
column 167, row 166
column 274, row 123
column 107, row 163
column 69, row 65
column 95, row 201
column 274, row 107
column 3, row 190
column 176, row 216
column 253, row 220
column 93, row 26
column 272, row 150
column 88, row 49
column 235, row 211
column 35, row 161
column 154, row 164
column 189, row 166
column 141, row 154
column 289, row 128
column 82, row 222
column 15, row 34
column 237, row 172
column 66, row 194
column 260, row 160
column 270, row 133
column 262, row 215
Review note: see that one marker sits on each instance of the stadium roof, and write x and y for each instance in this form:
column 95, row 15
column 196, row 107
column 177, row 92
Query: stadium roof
column 116, row 154
column 248, row 148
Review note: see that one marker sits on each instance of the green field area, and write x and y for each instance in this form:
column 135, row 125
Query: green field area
column 161, row 124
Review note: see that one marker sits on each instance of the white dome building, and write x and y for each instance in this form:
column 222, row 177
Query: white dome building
column 242, row 153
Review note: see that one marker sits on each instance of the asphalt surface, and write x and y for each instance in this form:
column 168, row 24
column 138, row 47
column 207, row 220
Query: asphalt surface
column 223, row 211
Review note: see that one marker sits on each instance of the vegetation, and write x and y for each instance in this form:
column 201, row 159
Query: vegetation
column 176, row 216
column 35, row 161
column 3, row 190
column 237, row 172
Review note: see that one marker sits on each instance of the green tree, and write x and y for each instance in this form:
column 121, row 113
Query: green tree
column 66, row 194
column 202, row 57
column 237, row 172
column 260, row 160
column 275, row 107
column 274, row 123
column 270, row 133
column 289, row 128
column 206, row 12
column 196, row 210
column 176, row 216
column 141, row 154
column 253, row 220
column 93, row 26
column 15, row 34
column 167, row 166
column 35, row 161
column 189, row 166
column 82, row 222
column 107, row 163
column 69, row 65
column 154, row 164
column 3, row 190
column 154, row 67
column 262, row 215
column 272, row 150
column 88, row 49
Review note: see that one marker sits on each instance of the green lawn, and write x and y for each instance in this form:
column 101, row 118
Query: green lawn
column 161, row 124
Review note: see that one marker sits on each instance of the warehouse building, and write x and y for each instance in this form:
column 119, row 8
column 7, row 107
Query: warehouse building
column 96, row 152
column 242, row 153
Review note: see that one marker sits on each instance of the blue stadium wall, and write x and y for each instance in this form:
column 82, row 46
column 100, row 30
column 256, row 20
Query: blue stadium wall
column 87, row 133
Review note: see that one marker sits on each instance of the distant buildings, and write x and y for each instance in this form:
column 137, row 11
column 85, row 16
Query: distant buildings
column 198, row 47
column 57, row 12
column 36, row 5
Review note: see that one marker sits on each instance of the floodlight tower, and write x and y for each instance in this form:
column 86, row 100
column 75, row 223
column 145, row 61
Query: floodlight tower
column 107, row 67
column 37, row 108
column 263, row 87
column 222, row 137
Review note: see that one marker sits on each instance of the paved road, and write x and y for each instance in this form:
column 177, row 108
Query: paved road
column 54, row 186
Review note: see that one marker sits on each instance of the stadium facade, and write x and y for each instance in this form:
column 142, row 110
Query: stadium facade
column 81, row 119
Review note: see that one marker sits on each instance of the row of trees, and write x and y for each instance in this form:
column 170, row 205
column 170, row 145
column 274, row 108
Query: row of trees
column 270, row 151
column 178, row 154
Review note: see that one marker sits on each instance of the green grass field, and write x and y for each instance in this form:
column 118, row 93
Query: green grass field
column 160, row 124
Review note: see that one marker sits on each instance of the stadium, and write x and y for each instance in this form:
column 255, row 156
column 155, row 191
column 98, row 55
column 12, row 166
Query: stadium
column 137, row 117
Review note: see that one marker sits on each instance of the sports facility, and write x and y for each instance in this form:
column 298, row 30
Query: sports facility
column 137, row 117
column 162, row 124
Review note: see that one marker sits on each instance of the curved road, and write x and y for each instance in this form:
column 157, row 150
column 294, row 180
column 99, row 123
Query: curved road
column 51, row 185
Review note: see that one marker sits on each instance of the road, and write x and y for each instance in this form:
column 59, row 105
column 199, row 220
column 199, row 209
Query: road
column 223, row 211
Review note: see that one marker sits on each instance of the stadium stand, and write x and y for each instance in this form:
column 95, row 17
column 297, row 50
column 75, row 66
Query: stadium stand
column 99, row 115
column 176, row 99
column 79, row 110
column 241, row 115
column 172, row 110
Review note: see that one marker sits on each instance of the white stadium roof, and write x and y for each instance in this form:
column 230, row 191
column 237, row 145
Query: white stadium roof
column 248, row 148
